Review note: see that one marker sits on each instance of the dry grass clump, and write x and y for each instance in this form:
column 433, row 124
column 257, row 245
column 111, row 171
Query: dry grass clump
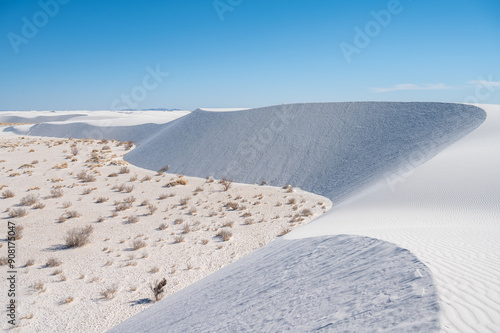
column 124, row 169
column 183, row 201
column 204, row 241
column 29, row 262
column 152, row 209
column 132, row 219
column 163, row 170
column 71, row 214
column 193, row 211
column 285, row 231
column 56, row 192
column 146, row 178
column 78, row 237
column 155, row 269
column 86, row 177
column 101, row 199
column 53, row 262
column 163, row 226
column 292, row 201
column 130, row 200
column 123, row 206
column 288, row 188
column 179, row 181
column 186, row 229
column 129, row 145
column 39, row 286
column 228, row 224
column 18, row 232
column 38, row 205
column 233, row 205
column 75, row 150
column 178, row 221
column 225, row 235
column 110, row 292
column 29, row 200
column 67, row 204
column 17, row 212
column 133, row 178
column 125, row 188
column 138, row 244
column 87, row 190
column 8, row 194
column 306, row 212
column 68, row 300
column 114, row 174
column 226, row 183
column 179, row 239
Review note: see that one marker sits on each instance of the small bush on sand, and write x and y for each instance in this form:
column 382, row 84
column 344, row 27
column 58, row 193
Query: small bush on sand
column 138, row 244
column 56, row 192
column 53, row 262
column 226, row 183
column 29, row 200
column 8, row 194
column 225, row 235
column 17, row 212
column 124, row 169
column 78, row 237
column 157, row 289
column 110, row 292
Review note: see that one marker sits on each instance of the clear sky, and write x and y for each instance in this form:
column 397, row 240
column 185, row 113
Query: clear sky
column 115, row 54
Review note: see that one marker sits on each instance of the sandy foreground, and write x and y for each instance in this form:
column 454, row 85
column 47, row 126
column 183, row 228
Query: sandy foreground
column 146, row 226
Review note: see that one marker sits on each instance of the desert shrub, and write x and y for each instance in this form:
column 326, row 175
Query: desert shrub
column 71, row 214
column 163, row 226
column 163, row 169
column 155, row 269
column 179, row 239
column 144, row 203
column 179, row 181
column 29, row 200
column 78, row 237
column 292, row 201
column 138, row 244
column 157, row 288
column 186, row 229
column 53, row 262
column 129, row 145
column 152, row 209
column 192, row 211
column 133, row 178
column 75, row 150
column 128, row 188
column 39, row 286
column 130, row 200
column 228, row 224
column 101, row 199
column 17, row 212
column 132, row 219
column 285, row 231
column 233, row 205
column 67, row 204
column 204, row 241
column 226, row 183
column 184, row 201
column 124, row 169
column 146, row 178
column 86, row 177
column 8, row 194
column 110, row 292
column 179, row 221
column 87, row 191
column 18, row 232
column 225, row 235
column 4, row 261
column 288, row 188
column 306, row 212
column 56, row 192
column 114, row 174
column 29, row 262
column 123, row 206
column 249, row 221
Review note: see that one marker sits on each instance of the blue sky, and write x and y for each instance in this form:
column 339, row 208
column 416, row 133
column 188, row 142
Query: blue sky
column 108, row 54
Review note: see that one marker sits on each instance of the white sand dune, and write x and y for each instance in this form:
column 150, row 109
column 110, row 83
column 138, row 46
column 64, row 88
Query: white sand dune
column 447, row 212
column 332, row 149
column 420, row 175
column 327, row 284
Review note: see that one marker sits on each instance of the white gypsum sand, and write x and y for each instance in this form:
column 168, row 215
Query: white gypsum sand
column 447, row 212
column 178, row 241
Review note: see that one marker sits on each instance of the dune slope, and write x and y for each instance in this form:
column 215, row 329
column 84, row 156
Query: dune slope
column 332, row 149
column 328, row 284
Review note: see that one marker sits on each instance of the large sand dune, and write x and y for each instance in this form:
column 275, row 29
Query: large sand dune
column 332, row 149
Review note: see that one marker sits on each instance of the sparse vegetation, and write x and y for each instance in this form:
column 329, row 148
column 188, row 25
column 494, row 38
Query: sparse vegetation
column 110, row 292
column 29, row 200
column 56, row 192
column 53, row 262
column 78, row 237
column 226, row 183
column 8, row 194
column 157, row 289
column 138, row 244
column 17, row 212
column 225, row 235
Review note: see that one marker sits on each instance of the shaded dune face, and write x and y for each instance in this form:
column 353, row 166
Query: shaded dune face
column 328, row 284
column 331, row 149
